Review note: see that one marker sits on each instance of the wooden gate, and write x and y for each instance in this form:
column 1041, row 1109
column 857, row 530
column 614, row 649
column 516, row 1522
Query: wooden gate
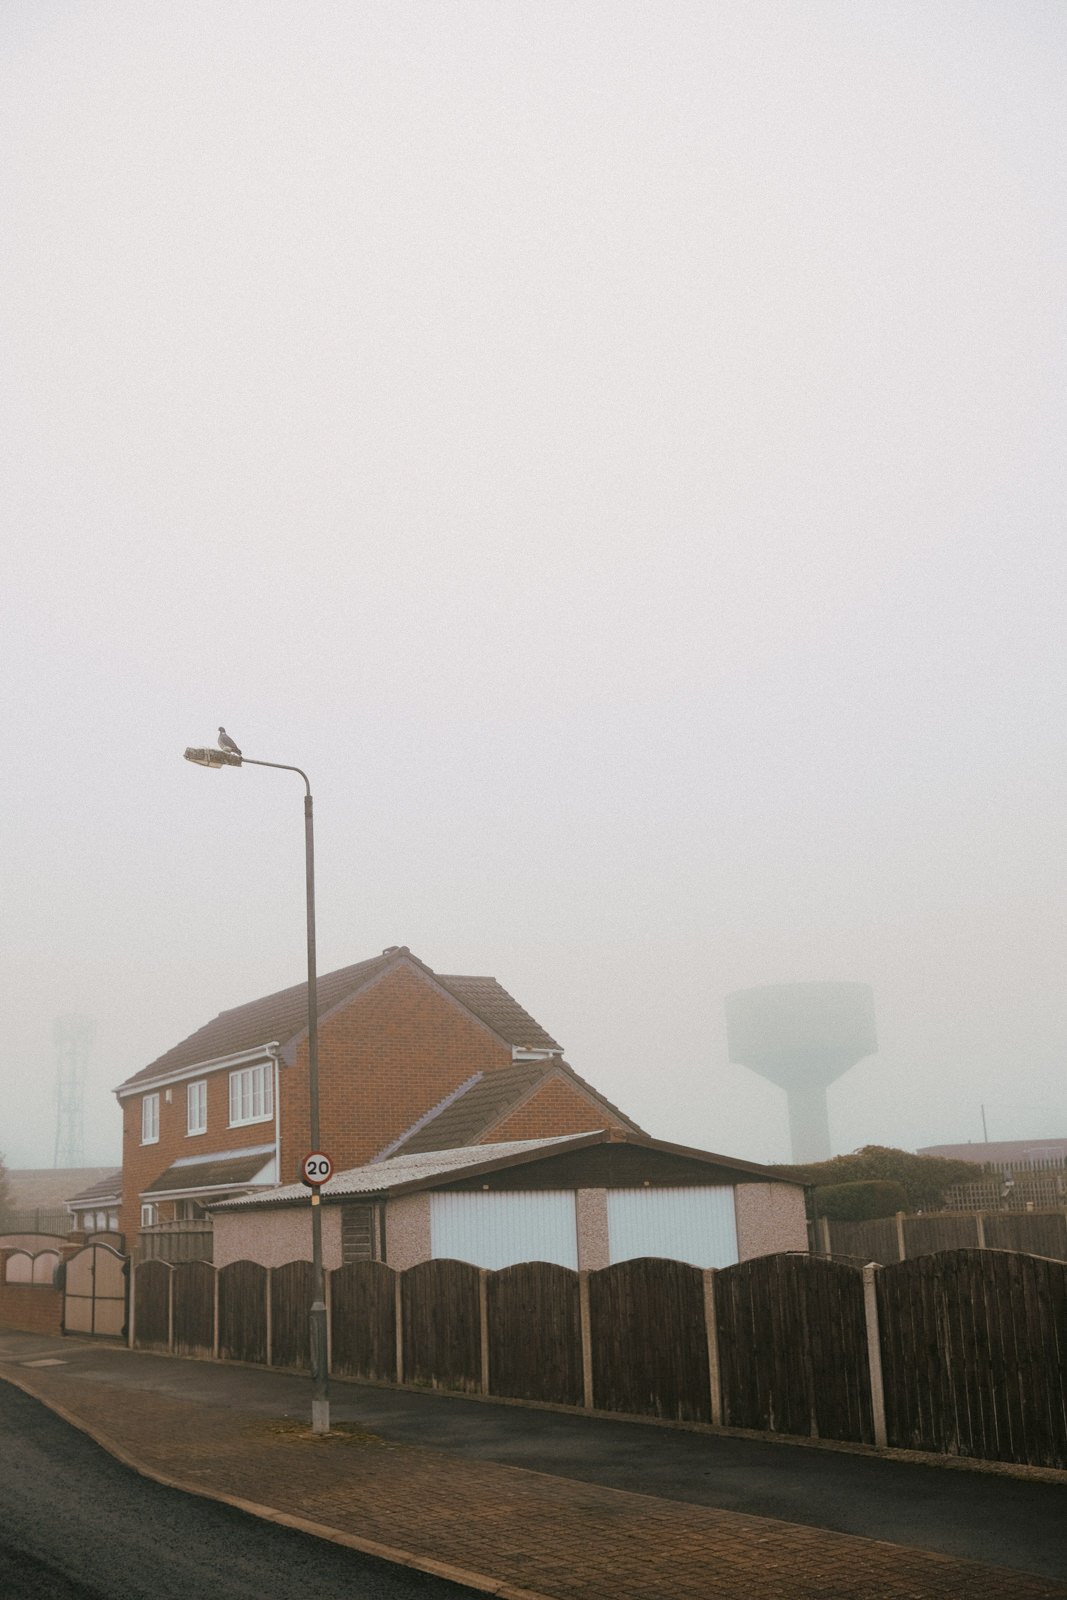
column 94, row 1294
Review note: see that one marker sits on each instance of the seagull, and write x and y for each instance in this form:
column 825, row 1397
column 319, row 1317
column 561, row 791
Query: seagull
column 226, row 743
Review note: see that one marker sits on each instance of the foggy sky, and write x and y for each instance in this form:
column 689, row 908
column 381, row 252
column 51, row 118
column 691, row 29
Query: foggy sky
column 618, row 451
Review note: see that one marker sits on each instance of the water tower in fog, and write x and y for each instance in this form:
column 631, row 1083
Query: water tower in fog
column 802, row 1036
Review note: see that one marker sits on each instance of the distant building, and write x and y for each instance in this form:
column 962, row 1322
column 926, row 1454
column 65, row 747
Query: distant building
column 1011, row 1154
column 96, row 1209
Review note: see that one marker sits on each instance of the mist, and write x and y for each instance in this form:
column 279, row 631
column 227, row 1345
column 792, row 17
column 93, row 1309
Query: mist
column 618, row 453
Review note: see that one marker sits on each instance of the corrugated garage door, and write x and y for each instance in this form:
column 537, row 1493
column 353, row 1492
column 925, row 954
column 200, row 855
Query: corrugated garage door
column 694, row 1225
column 497, row 1230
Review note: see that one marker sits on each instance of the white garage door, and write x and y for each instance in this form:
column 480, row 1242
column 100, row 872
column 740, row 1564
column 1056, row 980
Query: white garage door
column 497, row 1230
column 694, row 1225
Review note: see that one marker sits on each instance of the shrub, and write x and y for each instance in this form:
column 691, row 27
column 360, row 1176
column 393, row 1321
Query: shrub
column 923, row 1178
column 859, row 1201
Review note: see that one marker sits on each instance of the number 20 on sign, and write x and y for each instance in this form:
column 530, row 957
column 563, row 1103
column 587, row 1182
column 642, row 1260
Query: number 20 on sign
column 316, row 1169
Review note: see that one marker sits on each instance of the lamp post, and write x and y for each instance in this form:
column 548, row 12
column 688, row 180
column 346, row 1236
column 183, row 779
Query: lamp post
column 320, row 1397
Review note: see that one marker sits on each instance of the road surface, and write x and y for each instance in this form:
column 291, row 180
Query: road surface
column 77, row 1525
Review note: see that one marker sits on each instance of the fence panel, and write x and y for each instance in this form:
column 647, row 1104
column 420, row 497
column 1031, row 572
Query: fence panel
column 243, row 1312
column 1040, row 1233
column 290, row 1315
column 177, row 1241
column 649, row 1339
column 974, row 1355
column 535, row 1333
column 55, row 1220
column 363, row 1300
column 442, row 1325
column 151, row 1292
column 194, row 1308
column 925, row 1235
column 793, row 1347
column 874, row 1240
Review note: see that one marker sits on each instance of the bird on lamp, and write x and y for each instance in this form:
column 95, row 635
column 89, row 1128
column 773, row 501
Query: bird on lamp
column 226, row 743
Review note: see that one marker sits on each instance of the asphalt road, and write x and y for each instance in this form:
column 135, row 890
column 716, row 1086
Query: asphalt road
column 77, row 1525
column 998, row 1520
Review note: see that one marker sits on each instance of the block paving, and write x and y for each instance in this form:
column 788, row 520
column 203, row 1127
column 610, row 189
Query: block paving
column 502, row 1530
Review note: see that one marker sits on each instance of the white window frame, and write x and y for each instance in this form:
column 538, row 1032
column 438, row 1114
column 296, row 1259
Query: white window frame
column 252, row 1095
column 149, row 1214
column 196, row 1107
column 150, row 1119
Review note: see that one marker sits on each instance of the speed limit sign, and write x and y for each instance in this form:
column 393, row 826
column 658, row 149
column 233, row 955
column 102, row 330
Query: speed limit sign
column 316, row 1169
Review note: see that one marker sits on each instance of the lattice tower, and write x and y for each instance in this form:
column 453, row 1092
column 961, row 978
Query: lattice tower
column 73, row 1039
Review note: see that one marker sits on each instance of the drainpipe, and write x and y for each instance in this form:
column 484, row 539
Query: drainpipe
column 274, row 1050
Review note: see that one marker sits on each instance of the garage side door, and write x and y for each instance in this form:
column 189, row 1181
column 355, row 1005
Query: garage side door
column 694, row 1225
column 498, row 1230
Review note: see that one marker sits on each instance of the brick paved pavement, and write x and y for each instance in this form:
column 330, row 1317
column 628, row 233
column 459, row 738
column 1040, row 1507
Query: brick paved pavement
column 505, row 1530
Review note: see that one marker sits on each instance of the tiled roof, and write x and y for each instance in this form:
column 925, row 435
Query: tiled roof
column 398, row 1171
column 109, row 1188
column 283, row 1016
column 488, row 1098
column 488, row 1000
column 212, row 1173
column 465, row 1116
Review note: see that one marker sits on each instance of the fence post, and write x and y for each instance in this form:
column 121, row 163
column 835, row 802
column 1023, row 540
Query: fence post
column 131, row 1320
column 399, row 1304
column 902, row 1250
column 587, row 1341
column 874, row 1351
column 483, row 1324
column 215, row 1318
column 980, row 1223
column 822, row 1225
column 711, row 1327
column 268, row 1278
column 170, row 1309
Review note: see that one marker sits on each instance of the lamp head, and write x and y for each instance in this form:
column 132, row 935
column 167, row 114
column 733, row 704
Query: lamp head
column 207, row 757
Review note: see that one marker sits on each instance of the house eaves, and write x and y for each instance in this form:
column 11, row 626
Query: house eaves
column 241, row 1058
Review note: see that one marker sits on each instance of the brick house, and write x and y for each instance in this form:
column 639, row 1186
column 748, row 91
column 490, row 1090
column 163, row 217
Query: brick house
column 409, row 1060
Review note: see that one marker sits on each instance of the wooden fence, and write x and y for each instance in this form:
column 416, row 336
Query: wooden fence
column 963, row 1352
column 903, row 1237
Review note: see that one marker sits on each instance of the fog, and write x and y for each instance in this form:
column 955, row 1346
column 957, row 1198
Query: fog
column 618, row 451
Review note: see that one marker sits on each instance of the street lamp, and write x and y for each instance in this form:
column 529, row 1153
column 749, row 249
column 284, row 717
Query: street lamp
column 320, row 1396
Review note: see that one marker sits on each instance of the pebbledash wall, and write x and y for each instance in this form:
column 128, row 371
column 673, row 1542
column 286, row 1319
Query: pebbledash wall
column 769, row 1217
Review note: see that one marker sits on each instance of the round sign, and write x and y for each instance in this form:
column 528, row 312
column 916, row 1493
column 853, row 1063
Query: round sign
column 316, row 1169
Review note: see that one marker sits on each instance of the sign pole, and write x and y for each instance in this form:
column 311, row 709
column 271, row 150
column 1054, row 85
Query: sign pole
column 320, row 1393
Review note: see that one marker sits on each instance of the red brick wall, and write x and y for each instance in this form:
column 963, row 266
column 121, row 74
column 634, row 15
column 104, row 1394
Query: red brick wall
column 394, row 1051
column 29, row 1307
column 143, row 1163
column 385, row 1059
column 556, row 1108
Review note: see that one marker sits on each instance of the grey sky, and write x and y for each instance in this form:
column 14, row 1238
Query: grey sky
column 618, row 450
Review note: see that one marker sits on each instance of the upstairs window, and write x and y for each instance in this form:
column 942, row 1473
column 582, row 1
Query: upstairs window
column 251, row 1095
column 150, row 1119
column 196, row 1107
